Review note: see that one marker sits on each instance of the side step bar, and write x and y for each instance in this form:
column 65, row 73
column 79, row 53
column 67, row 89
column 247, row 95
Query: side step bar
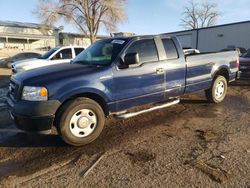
column 132, row 114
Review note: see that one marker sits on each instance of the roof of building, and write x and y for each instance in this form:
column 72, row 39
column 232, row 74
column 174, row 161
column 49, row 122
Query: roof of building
column 216, row 26
column 25, row 25
column 81, row 35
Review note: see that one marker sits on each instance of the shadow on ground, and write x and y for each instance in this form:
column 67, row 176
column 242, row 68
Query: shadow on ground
column 241, row 83
column 191, row 101
column 22, row 139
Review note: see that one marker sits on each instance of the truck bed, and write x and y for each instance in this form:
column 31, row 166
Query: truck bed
column 202, row 67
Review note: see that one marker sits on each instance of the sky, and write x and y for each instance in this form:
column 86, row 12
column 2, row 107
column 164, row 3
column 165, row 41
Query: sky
column 144, row 16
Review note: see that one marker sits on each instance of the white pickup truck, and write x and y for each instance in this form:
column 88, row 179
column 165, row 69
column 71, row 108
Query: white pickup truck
column 53, row 56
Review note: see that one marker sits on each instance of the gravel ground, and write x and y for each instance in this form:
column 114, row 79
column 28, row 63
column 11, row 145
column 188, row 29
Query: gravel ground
column 193, row 144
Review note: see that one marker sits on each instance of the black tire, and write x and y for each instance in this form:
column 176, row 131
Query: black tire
column 69, row 110
column 211, row 94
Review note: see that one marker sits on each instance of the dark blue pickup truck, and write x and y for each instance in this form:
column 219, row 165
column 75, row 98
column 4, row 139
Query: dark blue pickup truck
column 110, row 77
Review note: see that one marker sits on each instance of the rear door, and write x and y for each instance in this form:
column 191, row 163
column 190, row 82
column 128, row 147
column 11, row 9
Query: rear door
column 175, row 68
column 142, row 83
column 199, row 71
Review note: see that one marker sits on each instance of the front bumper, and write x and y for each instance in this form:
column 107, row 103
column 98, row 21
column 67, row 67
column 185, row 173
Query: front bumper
column 244, row 75
column 33, row 116
column 33, row 124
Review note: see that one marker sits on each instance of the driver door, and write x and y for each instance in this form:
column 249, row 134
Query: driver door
column 140, row 83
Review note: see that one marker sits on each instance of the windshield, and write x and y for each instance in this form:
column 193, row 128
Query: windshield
column 247, row 54
column 48, row 54
column 101, row 53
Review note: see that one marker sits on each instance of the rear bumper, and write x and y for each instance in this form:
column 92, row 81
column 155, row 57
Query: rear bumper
column 33, row 116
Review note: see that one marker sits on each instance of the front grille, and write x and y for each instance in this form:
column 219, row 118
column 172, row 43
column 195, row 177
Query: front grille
column 13, row 89
column 13, row 68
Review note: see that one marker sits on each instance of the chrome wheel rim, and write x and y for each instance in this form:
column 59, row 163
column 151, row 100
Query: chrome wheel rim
column 83, row 123
column 219, row 90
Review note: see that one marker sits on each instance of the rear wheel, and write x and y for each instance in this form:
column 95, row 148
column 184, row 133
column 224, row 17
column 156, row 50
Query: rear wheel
column 80, row 121
column 218, row 90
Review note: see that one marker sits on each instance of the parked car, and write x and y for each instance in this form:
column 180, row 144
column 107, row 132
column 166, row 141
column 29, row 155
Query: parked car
column 245, row 65
column 112, row 76
column 20, row 56
column 53, row 56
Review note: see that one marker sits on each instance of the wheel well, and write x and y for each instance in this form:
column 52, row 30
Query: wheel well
column 98, row 99
column 94, row 97
column 223, row 72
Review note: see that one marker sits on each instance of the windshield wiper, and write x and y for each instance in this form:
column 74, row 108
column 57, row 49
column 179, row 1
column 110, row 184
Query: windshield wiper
column 81, row 62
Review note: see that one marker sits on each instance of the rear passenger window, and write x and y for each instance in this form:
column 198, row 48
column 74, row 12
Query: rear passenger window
column 78, row 50
column 146, row 50
column 170, row 48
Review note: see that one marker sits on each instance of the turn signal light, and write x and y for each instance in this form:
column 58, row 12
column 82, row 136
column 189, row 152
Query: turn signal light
column 238, row 62
column 43, row 92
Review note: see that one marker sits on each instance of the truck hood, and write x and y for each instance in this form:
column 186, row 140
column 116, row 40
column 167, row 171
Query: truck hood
column 55, row 73
column 27, row 62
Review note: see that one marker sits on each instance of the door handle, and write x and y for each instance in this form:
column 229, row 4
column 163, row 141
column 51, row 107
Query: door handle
column 159, row 70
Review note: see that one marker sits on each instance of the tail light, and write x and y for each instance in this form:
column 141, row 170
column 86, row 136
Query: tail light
column 238, row 62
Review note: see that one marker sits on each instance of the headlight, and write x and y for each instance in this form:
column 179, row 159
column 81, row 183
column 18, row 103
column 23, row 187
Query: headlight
column 34, row 93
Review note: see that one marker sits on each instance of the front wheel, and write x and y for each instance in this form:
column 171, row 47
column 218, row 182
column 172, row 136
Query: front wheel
column 218, row 90
column 80, row 121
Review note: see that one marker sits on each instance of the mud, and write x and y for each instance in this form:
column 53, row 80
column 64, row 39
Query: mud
column 193, row 144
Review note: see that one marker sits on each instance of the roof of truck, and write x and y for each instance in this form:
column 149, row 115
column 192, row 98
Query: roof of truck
column 141, row 36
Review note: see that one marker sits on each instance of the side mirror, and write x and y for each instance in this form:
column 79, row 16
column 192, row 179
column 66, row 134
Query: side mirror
column 131, row 59
column 61, row 56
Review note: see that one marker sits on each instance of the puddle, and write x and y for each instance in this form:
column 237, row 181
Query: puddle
column 209, row 110
column 7, row 168
column 237, row 103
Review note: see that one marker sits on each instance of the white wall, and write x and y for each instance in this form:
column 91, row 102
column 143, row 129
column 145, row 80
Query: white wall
column 187, row 39
column 216, row 38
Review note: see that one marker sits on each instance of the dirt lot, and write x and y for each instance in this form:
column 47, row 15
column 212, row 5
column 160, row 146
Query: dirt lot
column 193, row 144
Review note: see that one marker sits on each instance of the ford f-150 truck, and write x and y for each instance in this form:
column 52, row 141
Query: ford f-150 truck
column 111, row 77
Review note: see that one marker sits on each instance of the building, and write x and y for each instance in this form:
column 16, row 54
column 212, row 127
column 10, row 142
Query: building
column 66, row 39
column 28, row 36
column 216, row 38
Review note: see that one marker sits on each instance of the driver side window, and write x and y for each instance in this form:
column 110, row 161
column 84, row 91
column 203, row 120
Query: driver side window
column 146, row 50
column 63, row 54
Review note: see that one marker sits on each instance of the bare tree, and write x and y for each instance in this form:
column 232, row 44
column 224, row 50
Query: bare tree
column 87, row 15
column 208, row 14
column 199, row 15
